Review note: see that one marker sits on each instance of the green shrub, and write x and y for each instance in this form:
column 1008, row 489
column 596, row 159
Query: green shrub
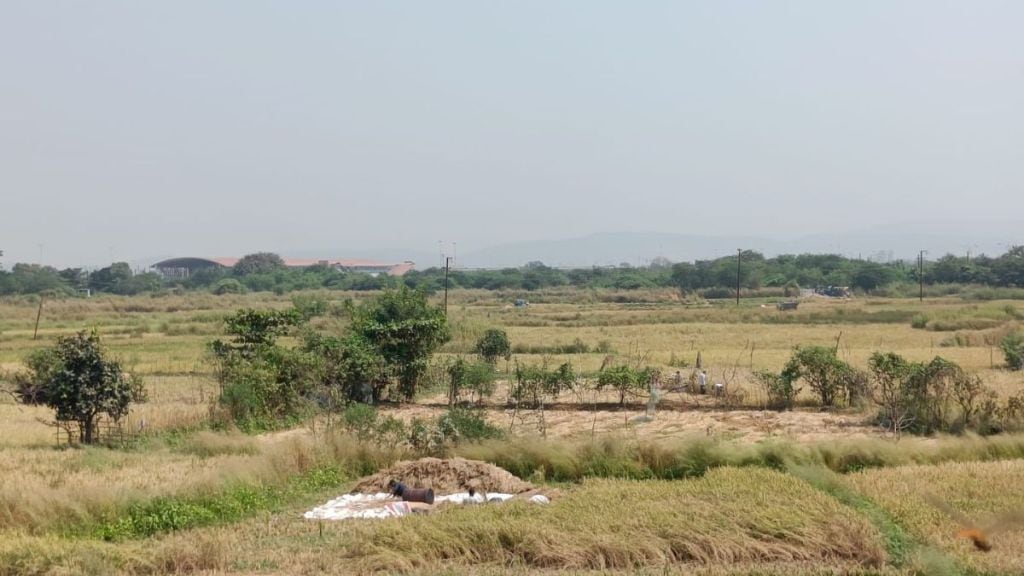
column 459, row 424
column 474, row 377
column 826, row 374
column 492, row 345
column 626, row 380
column 1013, row 350
column 228, row 286
column 360, row 420
column 30, row 385
column 309, row 306
column 780, row 390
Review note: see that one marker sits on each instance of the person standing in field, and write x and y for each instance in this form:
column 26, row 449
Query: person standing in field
column 702, row 381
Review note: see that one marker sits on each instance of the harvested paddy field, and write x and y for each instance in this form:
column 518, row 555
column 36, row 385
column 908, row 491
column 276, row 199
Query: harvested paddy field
column 698, row 484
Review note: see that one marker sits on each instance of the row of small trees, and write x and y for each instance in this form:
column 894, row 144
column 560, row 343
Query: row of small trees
column 383, row 354
column 919, row 397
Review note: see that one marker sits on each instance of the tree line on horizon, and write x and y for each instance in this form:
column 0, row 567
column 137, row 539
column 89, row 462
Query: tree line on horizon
column 714, row 278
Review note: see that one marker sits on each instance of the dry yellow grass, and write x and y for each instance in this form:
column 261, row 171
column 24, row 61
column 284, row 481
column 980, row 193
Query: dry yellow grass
column 982, row 491
column 729, row 517
column 164, row 338
column 44, row 488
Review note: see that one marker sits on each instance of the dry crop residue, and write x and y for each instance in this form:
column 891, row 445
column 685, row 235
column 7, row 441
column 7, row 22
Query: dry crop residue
column 445, row 477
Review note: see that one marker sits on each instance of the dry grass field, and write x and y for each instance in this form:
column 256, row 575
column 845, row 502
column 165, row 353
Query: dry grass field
column 738, row 518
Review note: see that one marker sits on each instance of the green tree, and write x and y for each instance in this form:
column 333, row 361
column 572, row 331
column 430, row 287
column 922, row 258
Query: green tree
column 352, row 366
column 33, row 279
column 891, row 374
column 533, row 384
column 258, row 263
column 475, row 377
column 405, row 330
column 626, row 380
column 826, row 374
column 778, row 388
column 250, row 328
column 1009, row 268
column 110, row 278
column 263, row 383
column 88, row 384
column 1013, row 350
column 492, row 345
column 871, row 276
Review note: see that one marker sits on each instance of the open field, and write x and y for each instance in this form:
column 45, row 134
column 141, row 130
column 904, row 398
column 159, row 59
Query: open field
column 739, row 499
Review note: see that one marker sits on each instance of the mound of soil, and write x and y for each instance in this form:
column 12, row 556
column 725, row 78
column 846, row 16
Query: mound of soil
column 446, row 477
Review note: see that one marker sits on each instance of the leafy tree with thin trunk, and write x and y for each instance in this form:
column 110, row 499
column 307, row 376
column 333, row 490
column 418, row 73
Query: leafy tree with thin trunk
column 405, row 329
column 825, row 373
column 492, row 345
column 89, row 384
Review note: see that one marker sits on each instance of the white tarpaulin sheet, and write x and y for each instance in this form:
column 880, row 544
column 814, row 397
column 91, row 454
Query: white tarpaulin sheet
column 383, row 505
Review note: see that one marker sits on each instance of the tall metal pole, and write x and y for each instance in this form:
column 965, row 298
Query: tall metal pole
column 447, row 260
column 739, row 257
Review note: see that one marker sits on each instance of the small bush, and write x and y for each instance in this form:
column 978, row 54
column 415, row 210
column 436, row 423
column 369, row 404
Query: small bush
column 360, row 420
column 309, row 306
column 460, row 424
column 1013, row 350
column 30, row 385
column 228, row 286
column 492, row 345
column 475, row 377
column 780, row 390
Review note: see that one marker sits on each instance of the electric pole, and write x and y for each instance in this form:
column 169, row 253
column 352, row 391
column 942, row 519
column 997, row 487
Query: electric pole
column 447, row 261
column 739, row 257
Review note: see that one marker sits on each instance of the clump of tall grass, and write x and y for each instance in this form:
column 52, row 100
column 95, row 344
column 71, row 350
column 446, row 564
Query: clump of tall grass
column 577, row 346
column 616, row 457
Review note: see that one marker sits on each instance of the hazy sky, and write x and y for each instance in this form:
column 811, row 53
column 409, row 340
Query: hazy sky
column 143, row 128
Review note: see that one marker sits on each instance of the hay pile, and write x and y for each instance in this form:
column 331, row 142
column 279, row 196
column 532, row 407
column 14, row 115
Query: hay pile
column 446, row 477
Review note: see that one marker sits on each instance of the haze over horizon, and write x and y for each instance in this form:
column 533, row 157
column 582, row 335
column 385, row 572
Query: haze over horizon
column 130, row 130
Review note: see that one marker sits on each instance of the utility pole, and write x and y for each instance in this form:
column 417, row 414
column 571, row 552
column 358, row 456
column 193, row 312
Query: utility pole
column 39, row 314
column 739, row 257
column 920, row 273
column 447, row 261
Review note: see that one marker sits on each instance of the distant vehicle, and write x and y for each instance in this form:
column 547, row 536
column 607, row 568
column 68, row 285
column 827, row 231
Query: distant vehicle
column 790, row 305
column 835, row 291
column 521, row 303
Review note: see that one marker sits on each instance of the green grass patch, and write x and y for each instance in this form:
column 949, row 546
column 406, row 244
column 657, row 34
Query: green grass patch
column 169, row 514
